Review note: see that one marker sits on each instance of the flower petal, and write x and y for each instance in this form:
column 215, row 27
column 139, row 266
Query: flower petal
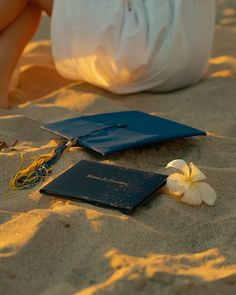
column 176, row 184
column 208, row 194
column 192, row 196
column 180, row 165
column 196, row 174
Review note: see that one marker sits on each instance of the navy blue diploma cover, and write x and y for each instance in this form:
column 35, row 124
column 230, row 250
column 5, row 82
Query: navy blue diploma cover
column 105, row 185
column 113, row 132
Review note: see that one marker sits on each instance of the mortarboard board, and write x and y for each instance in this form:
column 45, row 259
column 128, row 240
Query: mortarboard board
column 114, row 132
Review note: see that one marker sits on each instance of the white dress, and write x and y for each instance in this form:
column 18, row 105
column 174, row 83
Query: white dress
column 126, row 46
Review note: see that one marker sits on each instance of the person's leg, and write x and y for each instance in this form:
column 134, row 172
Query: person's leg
column 18, row 23
column 13, row 40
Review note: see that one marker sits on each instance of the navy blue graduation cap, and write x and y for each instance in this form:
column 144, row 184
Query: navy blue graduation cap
column 114, row 132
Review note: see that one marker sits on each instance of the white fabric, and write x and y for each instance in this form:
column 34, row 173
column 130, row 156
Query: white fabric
column 127, row 46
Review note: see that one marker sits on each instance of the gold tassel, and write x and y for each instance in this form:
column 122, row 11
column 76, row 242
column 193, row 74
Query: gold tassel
column 40, row 168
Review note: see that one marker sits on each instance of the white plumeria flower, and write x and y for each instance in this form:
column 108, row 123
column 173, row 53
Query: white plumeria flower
column 189, row 184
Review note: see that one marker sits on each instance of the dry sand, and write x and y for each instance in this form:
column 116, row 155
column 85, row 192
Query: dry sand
column 48, row 246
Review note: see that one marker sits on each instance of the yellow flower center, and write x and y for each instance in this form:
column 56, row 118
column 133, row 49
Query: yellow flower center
column 189, row 179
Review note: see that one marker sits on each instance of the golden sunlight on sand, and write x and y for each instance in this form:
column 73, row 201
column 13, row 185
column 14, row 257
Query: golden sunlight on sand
column 206, row 266
column 228, row 63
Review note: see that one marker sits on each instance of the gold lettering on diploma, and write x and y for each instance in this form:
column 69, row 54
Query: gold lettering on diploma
column 106, row 179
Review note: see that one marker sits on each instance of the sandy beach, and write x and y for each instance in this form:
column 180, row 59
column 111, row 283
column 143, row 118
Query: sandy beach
column 54, row 247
